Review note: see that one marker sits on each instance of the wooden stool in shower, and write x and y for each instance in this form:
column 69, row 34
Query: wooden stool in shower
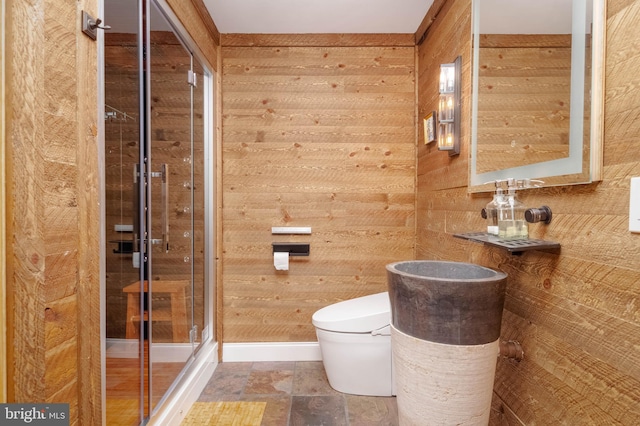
column 176, row 314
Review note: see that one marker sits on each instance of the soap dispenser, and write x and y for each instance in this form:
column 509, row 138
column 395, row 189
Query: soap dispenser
column 490, row 212
column 511, row 221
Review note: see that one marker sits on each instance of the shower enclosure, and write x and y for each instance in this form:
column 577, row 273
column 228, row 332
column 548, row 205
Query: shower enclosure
column 158, row 195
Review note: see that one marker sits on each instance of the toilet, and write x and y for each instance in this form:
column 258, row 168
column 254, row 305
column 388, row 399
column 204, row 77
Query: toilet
column 355, row 341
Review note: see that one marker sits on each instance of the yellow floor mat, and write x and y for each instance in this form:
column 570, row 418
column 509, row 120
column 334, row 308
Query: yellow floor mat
column 225, row 413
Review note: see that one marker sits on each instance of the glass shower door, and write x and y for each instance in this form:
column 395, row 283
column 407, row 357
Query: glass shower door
column 176, row 216
column 199, row 291
column 124, row 340
column 157, row 313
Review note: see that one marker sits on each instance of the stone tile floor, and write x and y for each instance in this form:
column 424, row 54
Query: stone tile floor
column 297, row 394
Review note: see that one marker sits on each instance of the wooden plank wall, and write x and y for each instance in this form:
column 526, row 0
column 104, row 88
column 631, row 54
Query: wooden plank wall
column 524, row 89
column 195, row 18
column 53, row 209
column 576, row 312
column 319, row 131
column 53, row 204
column 3, row 198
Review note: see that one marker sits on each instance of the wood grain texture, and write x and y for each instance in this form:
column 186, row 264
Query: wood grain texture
column 523, row 106
column 3, row 203
column 44, row 209
column 520, row 41
column 207, row 21
column 53, row 212
column 447, row 38
column 313, row 136
column 430, row 17
column 316, row 40
column 200, row 26
column 574, row 312
column 89, row 157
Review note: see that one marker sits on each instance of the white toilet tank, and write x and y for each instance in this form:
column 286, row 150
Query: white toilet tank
column 355, row 341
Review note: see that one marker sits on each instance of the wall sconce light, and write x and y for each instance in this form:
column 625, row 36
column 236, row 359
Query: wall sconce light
column 449, row 107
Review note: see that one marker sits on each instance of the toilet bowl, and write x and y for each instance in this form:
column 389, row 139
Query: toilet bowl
column 355, row 342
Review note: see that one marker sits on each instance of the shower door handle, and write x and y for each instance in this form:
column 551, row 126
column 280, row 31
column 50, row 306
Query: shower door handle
column 165, row 207
column 164, row 175
column 135, row 259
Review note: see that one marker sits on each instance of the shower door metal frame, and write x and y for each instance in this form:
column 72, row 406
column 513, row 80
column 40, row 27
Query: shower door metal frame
column 146, row 239
column 207, row 338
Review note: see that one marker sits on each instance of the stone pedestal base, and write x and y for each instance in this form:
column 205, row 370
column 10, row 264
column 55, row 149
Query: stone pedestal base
column 442, row 384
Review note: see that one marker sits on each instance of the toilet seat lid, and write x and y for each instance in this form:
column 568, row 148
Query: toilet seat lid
column 359, row 315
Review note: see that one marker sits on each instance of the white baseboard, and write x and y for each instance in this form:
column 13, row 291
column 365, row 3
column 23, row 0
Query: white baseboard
column 271, row 351
column 178, row 404
column 160, row 352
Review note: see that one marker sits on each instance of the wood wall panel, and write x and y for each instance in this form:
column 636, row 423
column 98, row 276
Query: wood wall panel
column 51, row 160
column 88, row 315
column 315, row 40
column 194, row 17
column 442, row 45
column 564, row 308
column 313, row 136
column 574, row 311
column 523, row 110
column 3, row 202
column 53, row 207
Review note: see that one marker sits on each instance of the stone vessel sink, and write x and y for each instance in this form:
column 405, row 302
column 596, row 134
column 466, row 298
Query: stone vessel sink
column 446, row 302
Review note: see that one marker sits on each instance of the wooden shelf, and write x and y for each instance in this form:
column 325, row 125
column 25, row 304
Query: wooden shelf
column 512, row 246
